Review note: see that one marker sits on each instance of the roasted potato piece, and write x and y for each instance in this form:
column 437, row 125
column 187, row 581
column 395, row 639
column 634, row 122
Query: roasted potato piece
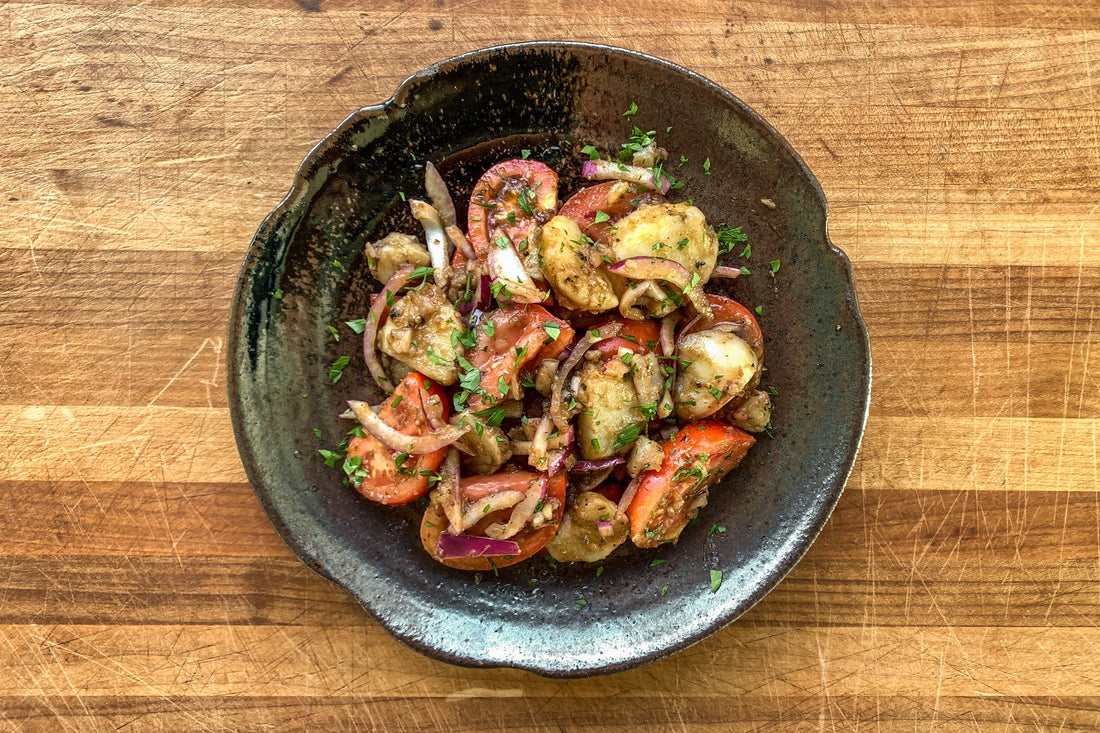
column 389, row 254
column 721, row 365
column 754, row 413
column 418, row 333
column 567, row 265
column 590, row 529
column 678, row 232
column 610, row 406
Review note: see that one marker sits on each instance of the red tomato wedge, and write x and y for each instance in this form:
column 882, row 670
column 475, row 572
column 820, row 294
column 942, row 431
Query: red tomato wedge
column 633, row 335
column 529, row 540
column 583, row 207
column 510, row 339
column 727, row 310
column 511, row 198
column 386, row 481
column 695, row 458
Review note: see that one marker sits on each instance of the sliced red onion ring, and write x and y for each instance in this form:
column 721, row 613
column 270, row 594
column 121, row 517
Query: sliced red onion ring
column 461, row 243
column 668, row 333
column 606, row 170
column 631, row 296
column 489, row 504
column 558, row 413
column 727, row 272
column 598, row 465
column 604, row 528
column 520, row 516
column 450, row 492
column 455, row 546
column 440, row 196
column 662, row 268
column 396, row 440
column 506, row 267
column 629, row 492
column 428, row 217
column 376, row 316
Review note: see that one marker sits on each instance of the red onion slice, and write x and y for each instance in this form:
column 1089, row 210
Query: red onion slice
column 376, row 316
column 606, row 170
column 440, row 196
column 629, row 492
column 450, row 492
column 668, row 333
column 455, row 546
column 727, row 272
column 598, row 465
column 506, row 267
column 558, row 413
column 396, row 440
column 671, row 271
column 428, row 217
column 630, row 297
column 461, row 243
column 489, row 504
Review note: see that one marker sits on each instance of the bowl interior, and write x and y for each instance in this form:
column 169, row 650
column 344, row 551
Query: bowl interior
column 305, row 272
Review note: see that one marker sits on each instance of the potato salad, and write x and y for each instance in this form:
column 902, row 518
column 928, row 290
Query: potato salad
column 558, row 380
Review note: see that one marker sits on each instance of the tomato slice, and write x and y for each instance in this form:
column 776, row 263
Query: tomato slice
column 529, row 540
column 511, row 198
column 385, row 481
column 583, row 206
column 728, row 310
column 637, row 336
column 509, row 340
column 695, row 458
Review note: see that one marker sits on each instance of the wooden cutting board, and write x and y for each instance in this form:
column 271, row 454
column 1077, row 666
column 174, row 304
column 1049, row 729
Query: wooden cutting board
column 956, row 587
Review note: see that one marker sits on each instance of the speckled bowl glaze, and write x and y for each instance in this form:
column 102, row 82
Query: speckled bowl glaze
column 304, row 272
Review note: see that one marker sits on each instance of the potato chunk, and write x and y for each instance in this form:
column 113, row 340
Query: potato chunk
column 678, row 232
column 610, row 402
column 389, row 254
column 580, row 537
column 721, row 366
column 568, row 267
column 418, row 333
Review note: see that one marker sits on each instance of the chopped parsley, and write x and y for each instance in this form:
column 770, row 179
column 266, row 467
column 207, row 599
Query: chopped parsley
column 591, row 152
column 626, row 436
column 729, row 237
column 337, row 369
column 358, row 325
column 775, row 266
column 715, row 580
column 331, row 458
column 706, row 166
column 553, row 330
column 633, row 110
column 526, row 200
column 601, row 216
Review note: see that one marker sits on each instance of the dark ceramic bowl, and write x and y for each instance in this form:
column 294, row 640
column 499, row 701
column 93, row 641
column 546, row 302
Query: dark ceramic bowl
column 304, row 272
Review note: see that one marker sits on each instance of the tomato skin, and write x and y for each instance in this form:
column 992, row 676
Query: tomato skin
column 727, row 310
column 646, row 332
column 529, row 540
column 662, row 506
column 495, row 206
column 383, row 483
column 496, row 356
column 582, row 207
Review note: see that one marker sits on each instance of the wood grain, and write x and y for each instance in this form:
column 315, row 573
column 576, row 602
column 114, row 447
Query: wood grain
column 957, row 585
